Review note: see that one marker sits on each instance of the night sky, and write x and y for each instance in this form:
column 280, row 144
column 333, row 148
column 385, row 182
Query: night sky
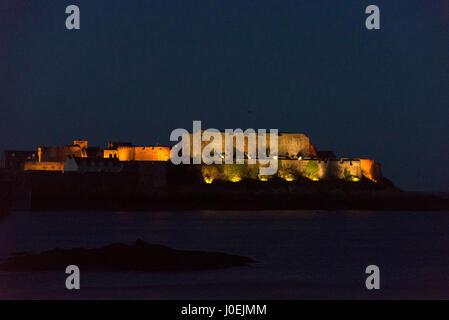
column 139, row 69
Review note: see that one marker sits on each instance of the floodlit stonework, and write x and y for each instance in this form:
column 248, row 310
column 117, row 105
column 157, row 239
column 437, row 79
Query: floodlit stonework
column 297, row 159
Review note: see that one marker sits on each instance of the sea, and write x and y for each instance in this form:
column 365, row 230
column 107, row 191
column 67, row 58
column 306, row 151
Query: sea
column 299, row 254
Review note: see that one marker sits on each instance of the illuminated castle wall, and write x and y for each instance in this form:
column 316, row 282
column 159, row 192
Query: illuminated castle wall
column 53, row 158
column 297, row 158
column 293, row 145
column 318, row 169
column 288, row 169
column 110, row 153
column 290, row 145
column 61, row 153
column 143, row 153
column 371, row 169
column 43, row 166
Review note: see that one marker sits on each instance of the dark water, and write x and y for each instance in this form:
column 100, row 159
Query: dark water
column 300, row 254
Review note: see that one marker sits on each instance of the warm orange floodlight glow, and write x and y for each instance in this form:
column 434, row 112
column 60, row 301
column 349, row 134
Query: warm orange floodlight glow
column 235, row 179
column 208, row 180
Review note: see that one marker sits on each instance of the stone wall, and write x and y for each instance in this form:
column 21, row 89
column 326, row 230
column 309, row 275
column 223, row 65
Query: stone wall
column 290, row 145
column 294, row 145
column 44, row 166
column 152, row 153
column 110, row 153
column 143, row 153
column 371, row 169
column 60, row 153
column 125, row 153
column 288, row 170
column 317, row 169
column 81, row 143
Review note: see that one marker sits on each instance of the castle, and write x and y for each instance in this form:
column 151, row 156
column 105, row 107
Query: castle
column 297, row 159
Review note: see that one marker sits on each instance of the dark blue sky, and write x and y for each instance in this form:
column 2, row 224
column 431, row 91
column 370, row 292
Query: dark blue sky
column 138, row 69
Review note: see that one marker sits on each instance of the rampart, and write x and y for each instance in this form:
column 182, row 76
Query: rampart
column 44, row 166
column 297, row 159
column 60, row 153
column 371, row 169
column 294, row 145
column 289, row 170
column 110, row 153
column 290, row 145
column 158, row 153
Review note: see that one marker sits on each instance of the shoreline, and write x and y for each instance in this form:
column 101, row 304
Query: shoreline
column 54, row 191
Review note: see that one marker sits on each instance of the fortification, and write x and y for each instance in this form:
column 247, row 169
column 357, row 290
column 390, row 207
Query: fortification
column 110, row 153
column 290, row 145
column 316, row 169
column 297, row 159
column 80, row 143
column 43, row 166
column 371, row 169
column 151, row 153
column 295, row 145
column 61, row 153
column 288, row 170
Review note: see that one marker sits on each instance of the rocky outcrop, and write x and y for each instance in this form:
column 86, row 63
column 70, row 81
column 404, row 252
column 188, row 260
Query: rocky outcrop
column 139, row 256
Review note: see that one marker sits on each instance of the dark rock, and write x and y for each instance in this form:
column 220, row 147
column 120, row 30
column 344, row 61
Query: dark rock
column 139, row 256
